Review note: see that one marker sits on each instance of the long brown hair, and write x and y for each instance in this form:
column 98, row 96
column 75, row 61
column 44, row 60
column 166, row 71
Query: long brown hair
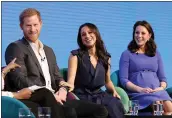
column 100, row 47
column 150, row 46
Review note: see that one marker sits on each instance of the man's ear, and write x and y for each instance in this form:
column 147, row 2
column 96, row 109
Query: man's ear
column 41, row 23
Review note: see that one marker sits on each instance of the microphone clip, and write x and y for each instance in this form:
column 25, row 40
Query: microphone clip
column 42, row 59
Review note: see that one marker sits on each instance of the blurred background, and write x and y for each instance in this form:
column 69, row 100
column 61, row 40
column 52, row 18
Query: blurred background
column 115, row 21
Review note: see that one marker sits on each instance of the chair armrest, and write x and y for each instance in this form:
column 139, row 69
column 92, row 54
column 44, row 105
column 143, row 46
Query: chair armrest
column 10, row 107
column 72, row 96
column 124, row 97
column 169, row 90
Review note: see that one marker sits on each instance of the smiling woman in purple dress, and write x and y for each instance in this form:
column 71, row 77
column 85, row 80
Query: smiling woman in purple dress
column 141, row 69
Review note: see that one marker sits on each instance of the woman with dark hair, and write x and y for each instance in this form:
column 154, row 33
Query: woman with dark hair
column 141, row 69
column 89, row 70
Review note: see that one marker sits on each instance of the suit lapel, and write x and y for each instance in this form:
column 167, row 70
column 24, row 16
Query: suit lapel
column 33, row 55
column 48, row 59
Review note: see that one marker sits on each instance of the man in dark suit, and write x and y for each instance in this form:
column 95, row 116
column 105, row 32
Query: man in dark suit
column 39, row 68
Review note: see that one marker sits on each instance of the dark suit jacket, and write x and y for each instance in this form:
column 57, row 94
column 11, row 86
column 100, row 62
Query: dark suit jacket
column 30, row 72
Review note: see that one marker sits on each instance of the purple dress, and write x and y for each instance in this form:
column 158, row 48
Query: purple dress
column 143, row 71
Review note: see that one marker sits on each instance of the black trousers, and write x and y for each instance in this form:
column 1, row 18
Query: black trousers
column 70, row 109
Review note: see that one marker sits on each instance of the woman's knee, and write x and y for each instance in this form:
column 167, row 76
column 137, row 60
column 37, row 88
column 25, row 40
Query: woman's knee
column 115, row 102
column 101, row 110
column 167, row 106
column 115, row 105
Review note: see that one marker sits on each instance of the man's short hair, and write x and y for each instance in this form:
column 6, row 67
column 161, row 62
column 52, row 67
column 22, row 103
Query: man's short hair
column 28, row 13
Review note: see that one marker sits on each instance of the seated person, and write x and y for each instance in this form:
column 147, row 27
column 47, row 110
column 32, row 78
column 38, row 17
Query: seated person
column 39, row 68
column 33, row 99
column 89, row 69
column 17, row 95
column 141, row 69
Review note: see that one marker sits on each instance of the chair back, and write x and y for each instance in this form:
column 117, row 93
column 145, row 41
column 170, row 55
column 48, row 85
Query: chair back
column 169, row 90
column 124, row 97
column 63, row 72
column 115, row 78
column 10, row 107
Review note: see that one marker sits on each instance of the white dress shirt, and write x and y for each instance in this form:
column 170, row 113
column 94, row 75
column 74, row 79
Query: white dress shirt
column 40, row 54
